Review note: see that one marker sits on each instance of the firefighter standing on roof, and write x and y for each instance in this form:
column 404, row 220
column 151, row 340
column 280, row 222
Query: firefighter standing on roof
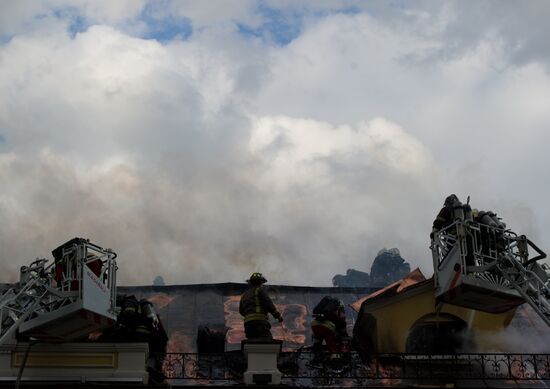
column 255, row 305
column 329, row 325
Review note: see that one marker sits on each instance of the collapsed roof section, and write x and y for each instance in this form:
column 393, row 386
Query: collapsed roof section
column 392, row 289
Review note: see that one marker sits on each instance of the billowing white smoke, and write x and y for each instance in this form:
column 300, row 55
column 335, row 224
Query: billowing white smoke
column 296, row 208
column 527, row 333
column 202, row 160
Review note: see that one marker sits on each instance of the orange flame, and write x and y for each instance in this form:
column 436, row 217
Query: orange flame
column 161, row 300
column 292, row 331
column 179, row 342
column 233, row 320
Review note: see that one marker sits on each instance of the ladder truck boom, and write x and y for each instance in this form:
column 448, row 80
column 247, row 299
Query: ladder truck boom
column 489, row 268
column 530, row 281
column 63, row 300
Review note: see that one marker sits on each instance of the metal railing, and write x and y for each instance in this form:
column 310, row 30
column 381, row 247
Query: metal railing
column 484, row 244
column 302, row 369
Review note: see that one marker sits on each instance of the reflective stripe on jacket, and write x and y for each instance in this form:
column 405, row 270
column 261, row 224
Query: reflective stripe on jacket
column 255, row 304
column 143, row 329
column 255, row 316
column 325, row 323
column 259, row 314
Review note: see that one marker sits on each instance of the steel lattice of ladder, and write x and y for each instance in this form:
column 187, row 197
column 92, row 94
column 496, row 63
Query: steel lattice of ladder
column 63, row 300
column 489, row 269
column 531, row 282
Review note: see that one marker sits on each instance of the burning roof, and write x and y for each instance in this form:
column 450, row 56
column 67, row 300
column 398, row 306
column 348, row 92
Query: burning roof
column 184, row 308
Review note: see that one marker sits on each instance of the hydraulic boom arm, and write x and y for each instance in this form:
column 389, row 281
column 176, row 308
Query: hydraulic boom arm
column 76, row 291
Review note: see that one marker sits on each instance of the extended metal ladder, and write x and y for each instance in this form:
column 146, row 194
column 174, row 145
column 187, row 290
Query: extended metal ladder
column 532, row 283
column 63, row 300
column 488, row 268
column 18, row 303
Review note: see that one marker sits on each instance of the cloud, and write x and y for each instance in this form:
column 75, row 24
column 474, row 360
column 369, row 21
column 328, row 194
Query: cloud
column 26, row 16
column 205, row 155
column 509, row 21
column 204, row 15
column 473, row 109
column 306, row 152
column 330, row 188
column 231, row 219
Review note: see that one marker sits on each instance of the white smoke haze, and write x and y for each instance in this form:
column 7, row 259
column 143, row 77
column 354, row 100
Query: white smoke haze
column 271, row 216
column 222, row 150
column 527, row 333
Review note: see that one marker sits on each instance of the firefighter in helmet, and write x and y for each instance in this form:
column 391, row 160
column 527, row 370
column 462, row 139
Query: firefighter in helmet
column 329, row 325
column 255, row 305
column 446, row 214
column 454, row 210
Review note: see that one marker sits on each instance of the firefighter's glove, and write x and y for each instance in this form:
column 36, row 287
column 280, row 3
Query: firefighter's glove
column 278, row 317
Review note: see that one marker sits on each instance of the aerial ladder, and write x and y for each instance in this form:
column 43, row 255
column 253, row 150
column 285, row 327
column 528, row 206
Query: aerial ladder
column 484, row 266
column 62, row 300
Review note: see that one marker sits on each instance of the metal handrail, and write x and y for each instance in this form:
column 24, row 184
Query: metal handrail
column 299, row 367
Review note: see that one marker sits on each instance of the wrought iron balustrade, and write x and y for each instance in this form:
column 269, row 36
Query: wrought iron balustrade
column 302, row 369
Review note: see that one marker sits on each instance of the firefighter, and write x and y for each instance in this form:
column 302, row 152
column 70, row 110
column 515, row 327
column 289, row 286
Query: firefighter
column 452, row 210
column 492, row 234
column 130, row 313
column 446, row 214
column 138, row 322
column 329, row 325
column 255, row 305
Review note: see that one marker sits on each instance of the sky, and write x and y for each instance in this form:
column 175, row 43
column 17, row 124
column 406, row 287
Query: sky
column 205, row 140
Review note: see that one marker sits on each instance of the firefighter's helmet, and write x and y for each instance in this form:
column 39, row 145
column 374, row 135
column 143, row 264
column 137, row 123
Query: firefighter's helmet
column 451, row 200
column 256, row 278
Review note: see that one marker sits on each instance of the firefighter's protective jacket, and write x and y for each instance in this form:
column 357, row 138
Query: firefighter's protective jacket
column 335, row 324
column 443, row 218
column 256, row 304
column 329, row 313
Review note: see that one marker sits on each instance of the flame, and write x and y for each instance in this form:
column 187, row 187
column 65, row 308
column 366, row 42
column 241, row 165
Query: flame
column 161, row 300
column 233, row 320
column 292, row 331
column 180, row 343
column 390, row 382
column 95, row 335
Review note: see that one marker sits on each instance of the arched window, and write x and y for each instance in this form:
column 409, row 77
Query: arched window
column 441, row 333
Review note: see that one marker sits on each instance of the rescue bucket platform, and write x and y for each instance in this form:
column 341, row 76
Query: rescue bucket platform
column 488, row 269
column 65, row 301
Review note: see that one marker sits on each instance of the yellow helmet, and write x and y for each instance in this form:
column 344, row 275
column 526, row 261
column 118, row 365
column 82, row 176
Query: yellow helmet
column 257, row 277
